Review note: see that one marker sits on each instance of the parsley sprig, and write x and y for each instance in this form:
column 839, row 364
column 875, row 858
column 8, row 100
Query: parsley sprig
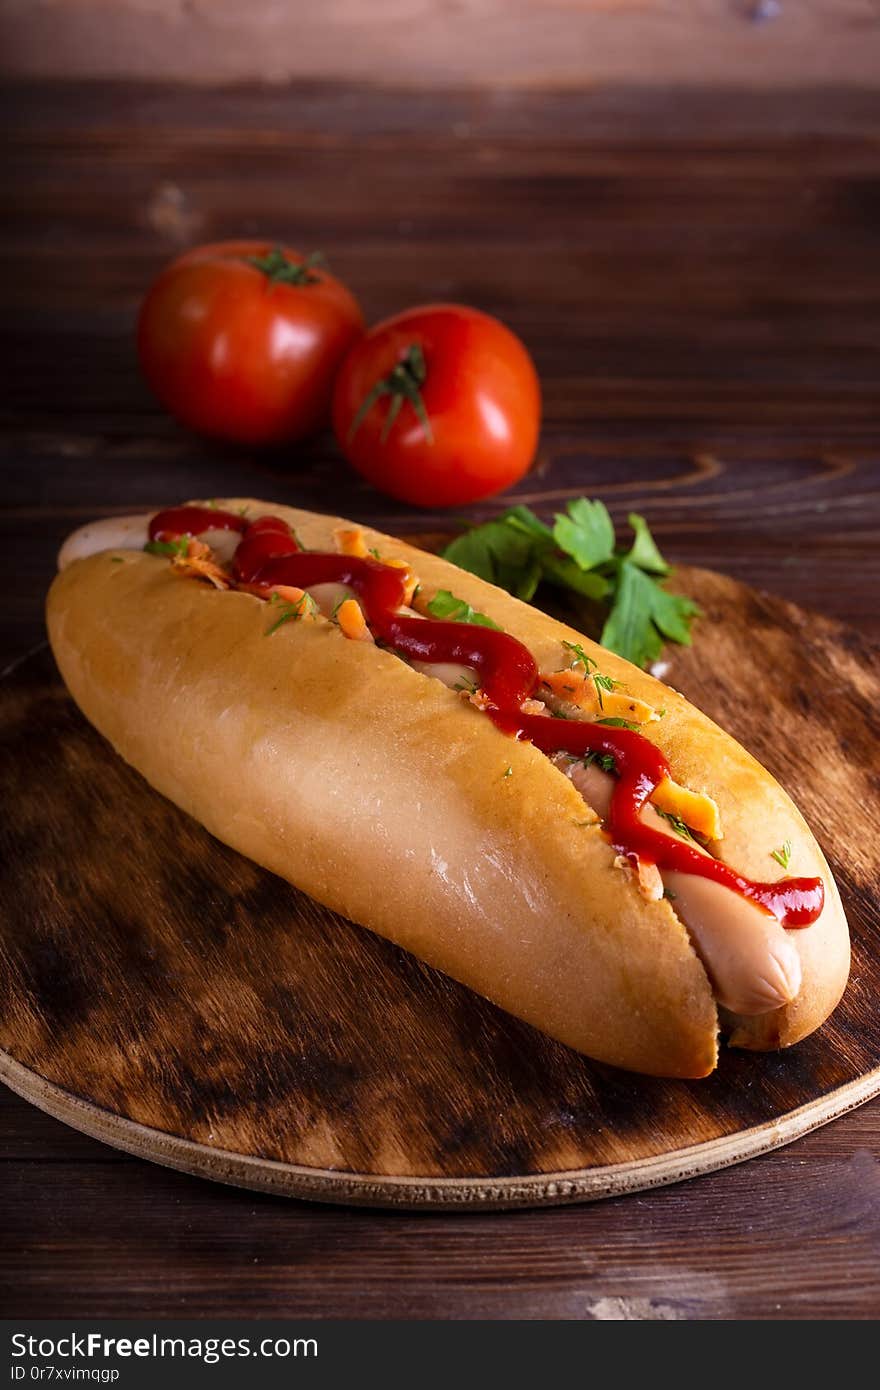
column 676, row 822
column 455, row 610
column 606, row 683
column 517, row 551
column 603, row 760
column 580, row 657
column 591, row 670
column 178, row 546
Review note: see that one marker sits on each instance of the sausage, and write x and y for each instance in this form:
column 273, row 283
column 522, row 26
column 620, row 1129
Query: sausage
column 753, row 966
column 112, row 533
column 132, row 533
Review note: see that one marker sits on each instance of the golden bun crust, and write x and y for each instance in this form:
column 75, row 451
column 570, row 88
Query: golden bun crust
column 377, row 791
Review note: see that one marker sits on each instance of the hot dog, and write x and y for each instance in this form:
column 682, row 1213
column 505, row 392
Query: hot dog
column 514, row 804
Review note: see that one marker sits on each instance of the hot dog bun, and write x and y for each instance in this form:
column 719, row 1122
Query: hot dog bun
column 380, row 793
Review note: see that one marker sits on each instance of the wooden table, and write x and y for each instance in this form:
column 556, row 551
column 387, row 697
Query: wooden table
column 697, row 276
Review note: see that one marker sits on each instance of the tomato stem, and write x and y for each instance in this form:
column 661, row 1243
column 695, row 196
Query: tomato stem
column 403, row 383
column 280, row 271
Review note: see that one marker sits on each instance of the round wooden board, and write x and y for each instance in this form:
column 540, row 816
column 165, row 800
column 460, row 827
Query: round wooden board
column 170, row 998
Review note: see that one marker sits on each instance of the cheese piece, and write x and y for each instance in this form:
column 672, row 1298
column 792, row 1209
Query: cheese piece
column 698, row 811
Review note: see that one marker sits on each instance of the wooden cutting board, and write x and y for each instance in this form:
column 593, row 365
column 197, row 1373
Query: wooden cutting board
column 169, row 997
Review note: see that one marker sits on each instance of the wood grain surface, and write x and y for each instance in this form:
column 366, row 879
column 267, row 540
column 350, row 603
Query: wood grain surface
column 696, row 272
column 212, row 1017
column 757, row 43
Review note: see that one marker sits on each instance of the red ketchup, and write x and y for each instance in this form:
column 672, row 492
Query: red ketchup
column 192, row 521
column 508, row 673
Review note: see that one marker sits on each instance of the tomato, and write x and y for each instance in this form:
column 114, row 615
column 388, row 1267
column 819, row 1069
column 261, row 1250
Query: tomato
column 242, row 340
column 438, row 406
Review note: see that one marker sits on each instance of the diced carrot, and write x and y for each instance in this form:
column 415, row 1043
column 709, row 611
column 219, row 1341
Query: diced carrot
column 350, row 541
column 352, row 622
column 569, row 685
column 582, row 691
column 199, row 563
column 288, row 593
column 198, row 550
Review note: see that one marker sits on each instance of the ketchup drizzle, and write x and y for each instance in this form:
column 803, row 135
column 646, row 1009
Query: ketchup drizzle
column 269, row 555
column 192, row 521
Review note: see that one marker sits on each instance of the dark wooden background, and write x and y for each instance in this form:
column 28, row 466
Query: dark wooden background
column 698, row 277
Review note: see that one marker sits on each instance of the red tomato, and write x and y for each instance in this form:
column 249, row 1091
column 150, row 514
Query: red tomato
column 438, row 406
column 242, row 340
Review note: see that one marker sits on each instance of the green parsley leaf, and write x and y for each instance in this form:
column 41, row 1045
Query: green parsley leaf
column 565, row 574
column 524, row 519
column 517, row 551
column 586, row 533
column 616, row 723
column 179, row 546
column 676, row 822
column 673, row 615
column 629, row 629
column 783, row 854
column 508, row 773
column 502, row 554
column 455, row 610
column 644, row 552
column 603, row 760
column 555, row 566
column 642, row 614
